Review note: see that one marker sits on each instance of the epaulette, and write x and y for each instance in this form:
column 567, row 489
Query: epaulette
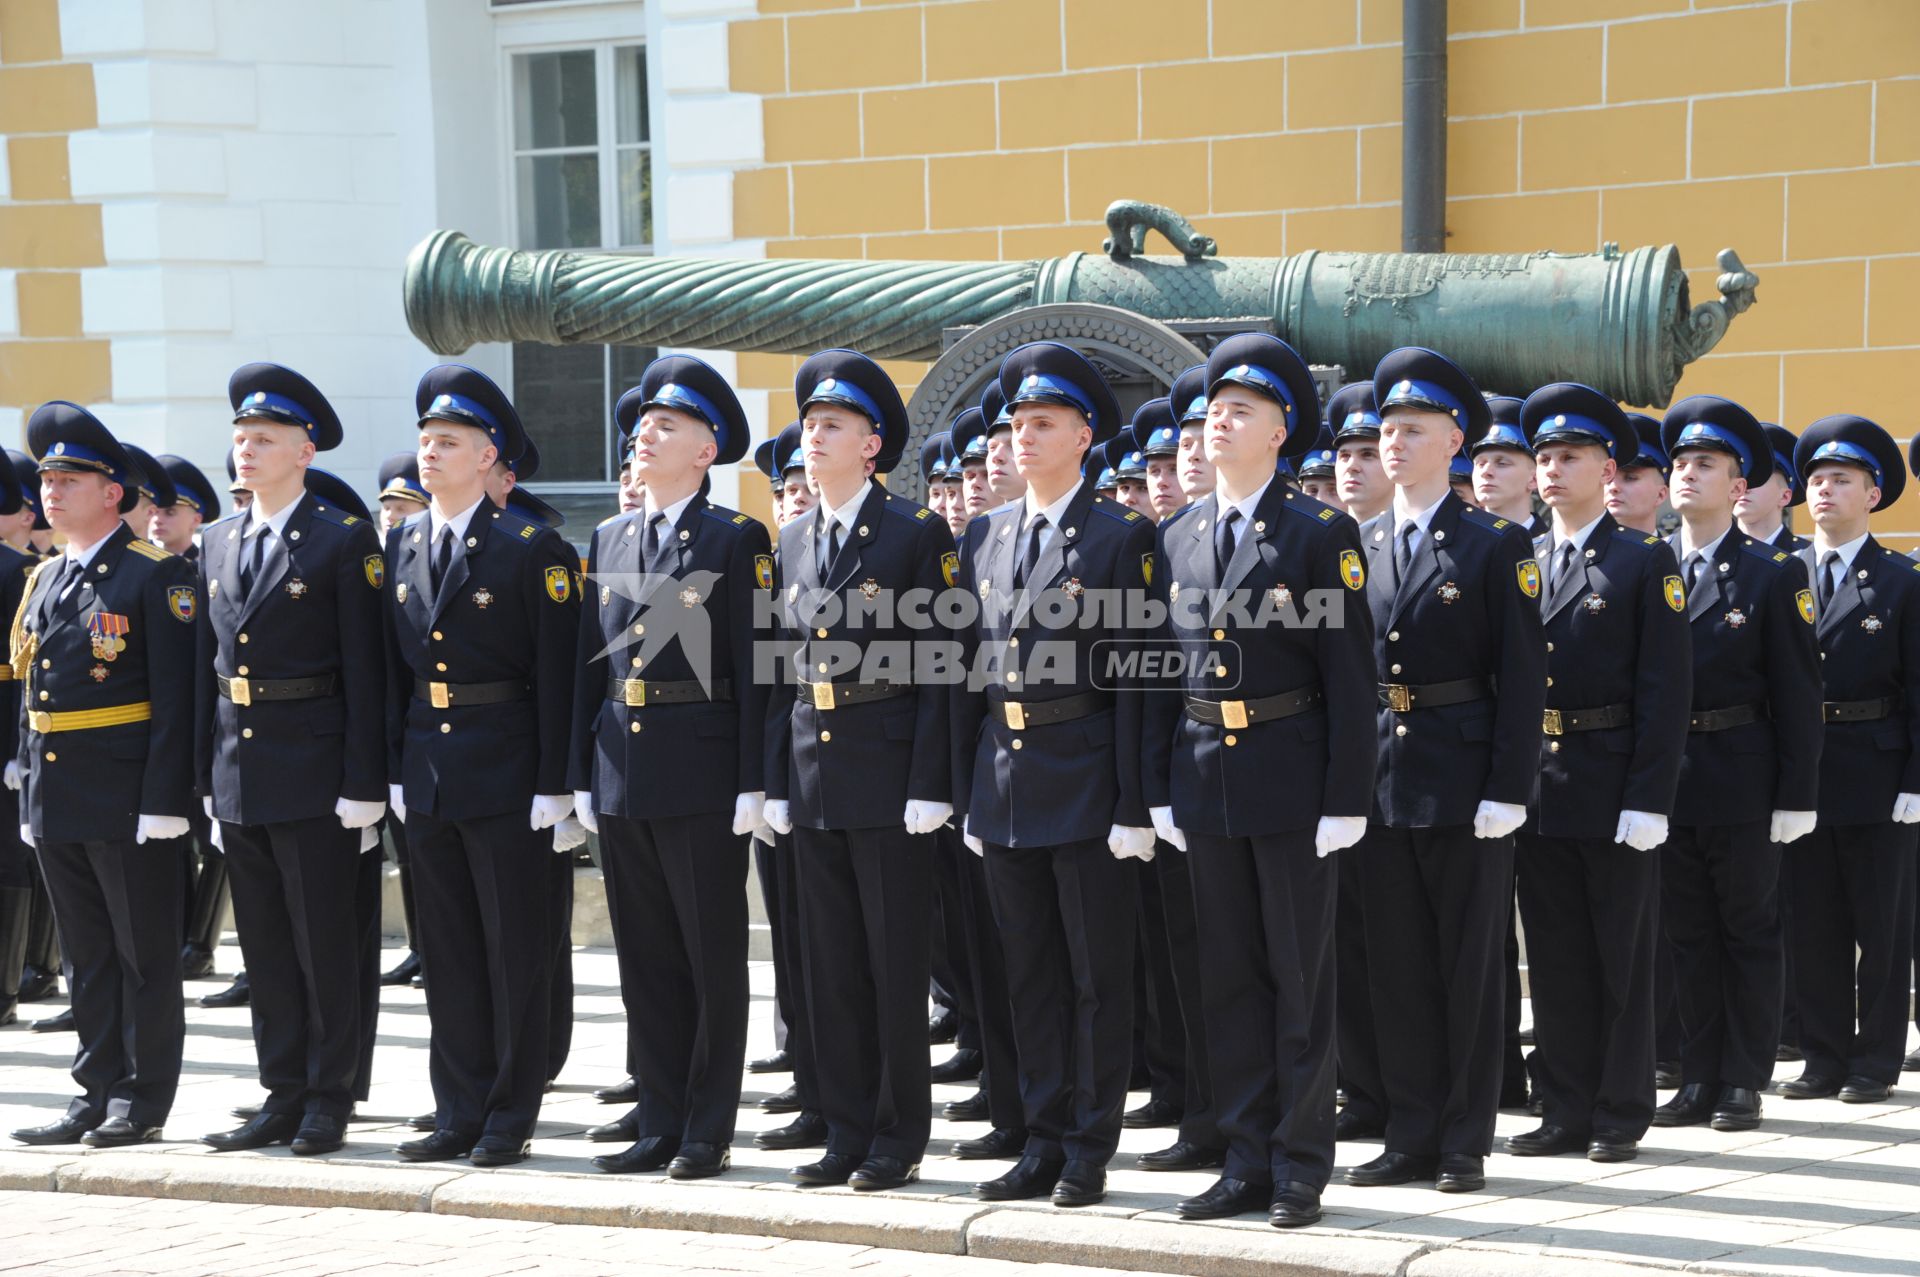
column 720, row 514
column 1115, row 511
column 522, row 529
column 337, row 517
column 1639, row 540
column 1181, row 513
column 906, row 510
column 613, row 518
column 1311, row 508
column 148, row 550
column 1765, row 551
column 1478, row 518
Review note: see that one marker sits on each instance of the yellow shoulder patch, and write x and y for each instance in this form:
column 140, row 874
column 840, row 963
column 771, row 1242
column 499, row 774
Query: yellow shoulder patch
column 1527, row 571
column 923, row 513
column 1133, row 516
column 739, row 519
column 1352, row 570
column 1500, row 524
column 1781, row 557
column 1676, row 592
column 147, row 549
column 349, row 519
column 526, row 533
column 1651, row 541
column 1327, row 514
column 1804, row 600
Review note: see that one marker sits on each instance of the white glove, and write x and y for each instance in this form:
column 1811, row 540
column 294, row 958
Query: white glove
column 357, row 813
column 1337, row 833
column 764, row 832
column 206, row 805
column 160, row 828
column 1641, row 830
column 13, row 774
column 974, row 845
column 26, row 834
column 369, row 836
column 568, row 834
column 583, row 811
column 924, row 817
column 775, row 814
column 1131, row 840
column 1164, row 828
column 219, row 840
column 549, row 810
column 746, row 811
column 1497, row 820
column 398, row 804
column 1906, row 808
column 1789, row 825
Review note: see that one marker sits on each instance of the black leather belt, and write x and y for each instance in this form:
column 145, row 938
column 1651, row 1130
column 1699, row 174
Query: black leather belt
column 245, row 691
column 1265, row 709
column 446, row 695
column 1857, row 711
column 1401, row 697
column 1558, row 722
column 640, row 691
column 836, row 695
column 1719, row 720
column 1020, row 715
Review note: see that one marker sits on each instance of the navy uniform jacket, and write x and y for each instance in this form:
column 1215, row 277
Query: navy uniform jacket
column 15, row 570
column 508, row 612
column 1869, row 640
column 855, row 766
column 682, row 758
column 1299, row 558
column 314, row 613
column 1464, row 612
column 93, row 785
column 1074, row 780
column 1753, row 644
column 1785, row 540
column 1616, row 635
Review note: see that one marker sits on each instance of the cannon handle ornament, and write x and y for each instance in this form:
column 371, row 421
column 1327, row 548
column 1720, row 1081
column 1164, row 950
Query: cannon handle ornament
column 1128, row 222
column 1707, row 323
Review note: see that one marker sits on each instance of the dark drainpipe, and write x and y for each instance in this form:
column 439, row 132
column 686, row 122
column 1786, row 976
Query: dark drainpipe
column 1423, row 129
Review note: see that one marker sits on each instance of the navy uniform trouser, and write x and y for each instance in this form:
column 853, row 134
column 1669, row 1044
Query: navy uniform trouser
column 1720, row 906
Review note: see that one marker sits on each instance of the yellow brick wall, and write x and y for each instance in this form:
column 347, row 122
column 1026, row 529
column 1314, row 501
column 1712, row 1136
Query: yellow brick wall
column 1787, row 129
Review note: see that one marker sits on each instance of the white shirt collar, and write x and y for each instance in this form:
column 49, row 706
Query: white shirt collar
column 1420, row 519
column 1709, row 551
column 1578, row 539
column 84, row 555
column 673, row 512
column 1055, row 512
column 845, row 515
column 278, row 522
column 1848, row 552
column 458, row 522
column 1246, row 507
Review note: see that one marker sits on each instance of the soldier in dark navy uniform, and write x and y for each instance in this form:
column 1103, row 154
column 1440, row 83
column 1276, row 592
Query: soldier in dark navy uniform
column 17, row 888
column 1750, row 776
column 1762, row 513
column 104, row 641
column 1188, row 399
column 668, row 752
column 1300, row 696
column 1639, row 485
column 858, row 769
column 1316, row 469
column 1360, row 481
column 1502, row 465
column 1852, row 879
column 1620, row 679
column 401, row 497
column 176, row 528
column 1462, row 681
column 27, row 532
column 482, row 623
column 1156, row 436
column 153, row 489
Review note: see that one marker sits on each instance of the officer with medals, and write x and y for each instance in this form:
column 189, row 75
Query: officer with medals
column 17, row 889
column 1156, row 437
column 1049, row 775
column 292, row 757
column 1462, row 681
column 1301, row 699
column 1762, row 512
column 1619, row 679
column 1852, row 878
column 858, row 769
column 1639, row 485
column 1360, row 481
column 1749, row 779
column 482, row 624
column 103, row 644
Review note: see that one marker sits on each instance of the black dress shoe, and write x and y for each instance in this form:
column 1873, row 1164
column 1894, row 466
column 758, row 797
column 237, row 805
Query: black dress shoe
column 260, row 1132
column 1350, row 1125
column 1294, row 1206
column 1864, row 1090
column 834, row 1168
column 1392, row 1168
column 1611, row 1146
column 621, row 1130
column 999, row 1142
column 1080, row 1184
column 1810, row 1086
column 428, row 1122
column 120, row 1132
column 319, row 1134
column 408, row 968
column 699, row 1161
column 245, row 1112
column 500, row 1150
column 1786, row 1053
column 1030, row 1177
column 1738, row 1109
column 419, row 981
column 1227, row 1198
column 881, row 1171
column 237, row 994
column 1461, row 1173
column 627, row 1092
column 778, row 1062
column 787, row 1101
column 972, row 1109
column 1691, row 1105
column 962, row 1066
column 441, row 1146
column 943, row 1026
column 1183, row 1155
column 60, row 1022
column 651, row 1154
column 1152, row 1113
column 809, row 1130
column 1546, row 1140
column 1666, row 1074
column 67, row 1130
column 196, row 962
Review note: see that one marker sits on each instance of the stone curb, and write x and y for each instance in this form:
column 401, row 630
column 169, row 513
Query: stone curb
column 253, row 1181
column 1036, row 1237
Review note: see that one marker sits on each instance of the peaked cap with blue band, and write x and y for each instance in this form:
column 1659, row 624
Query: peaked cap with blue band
column 850, row 380
column 468, row 397
column 534, row 510
column 1783, row 441
column 1651, row 452
column 331, row 490
column 527, row 464
column 1708, row 421
column 1055, row 373
column 1318, row 463
column 1189, row 396
column 1460, row 466
column 1568, row 412
column 1857, row 441
column 28, row 475
column 1154, row 432
column 191, row 485
column 763, row 461
column 968, row 439
column 1504, row 430
column 1099, row 469
column 400, row 477
column 936, row 456
column 13, row 493
column 150, row 478
column 1416, row 377
column 275, row 393
column 786, row 450
column 1351, row 414
column 1128, row 461
column 993, row 407
column 65, row 436
column 1269, row 367
column 692, row 386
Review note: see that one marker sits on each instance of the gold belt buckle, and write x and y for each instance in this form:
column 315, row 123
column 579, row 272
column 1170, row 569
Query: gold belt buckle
column 1550, row 723
column 40, row 721
column 1016, row 715
column 240, row 691
column 634, row 692
column 437, row 696
column 822, row 695
column 1233, row 715
column 1399, row 697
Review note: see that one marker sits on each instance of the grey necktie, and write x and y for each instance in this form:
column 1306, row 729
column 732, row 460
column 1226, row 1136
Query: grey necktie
column 1829, row 577
column 1403, row 549
column 1562, row 565
column 650, row 543
column 251, row 561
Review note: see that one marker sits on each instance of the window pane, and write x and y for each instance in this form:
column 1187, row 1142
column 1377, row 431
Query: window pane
column 630, row 109
column 559, row 197
column 553, row 100
column 636, row 197
column 560, row 392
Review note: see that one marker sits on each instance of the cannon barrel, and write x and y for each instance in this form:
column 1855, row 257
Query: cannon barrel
column 1621, row 322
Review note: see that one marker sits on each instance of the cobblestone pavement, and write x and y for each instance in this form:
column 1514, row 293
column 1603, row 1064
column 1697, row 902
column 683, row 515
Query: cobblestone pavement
column 1821, row 1187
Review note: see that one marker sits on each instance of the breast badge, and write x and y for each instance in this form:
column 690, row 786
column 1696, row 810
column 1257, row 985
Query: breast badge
column 1735, row 618
column 297, row 588
column 483, row 598
column 108, row 629
column 1594, row 604
column 1871, row 624
column 1449, row 593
